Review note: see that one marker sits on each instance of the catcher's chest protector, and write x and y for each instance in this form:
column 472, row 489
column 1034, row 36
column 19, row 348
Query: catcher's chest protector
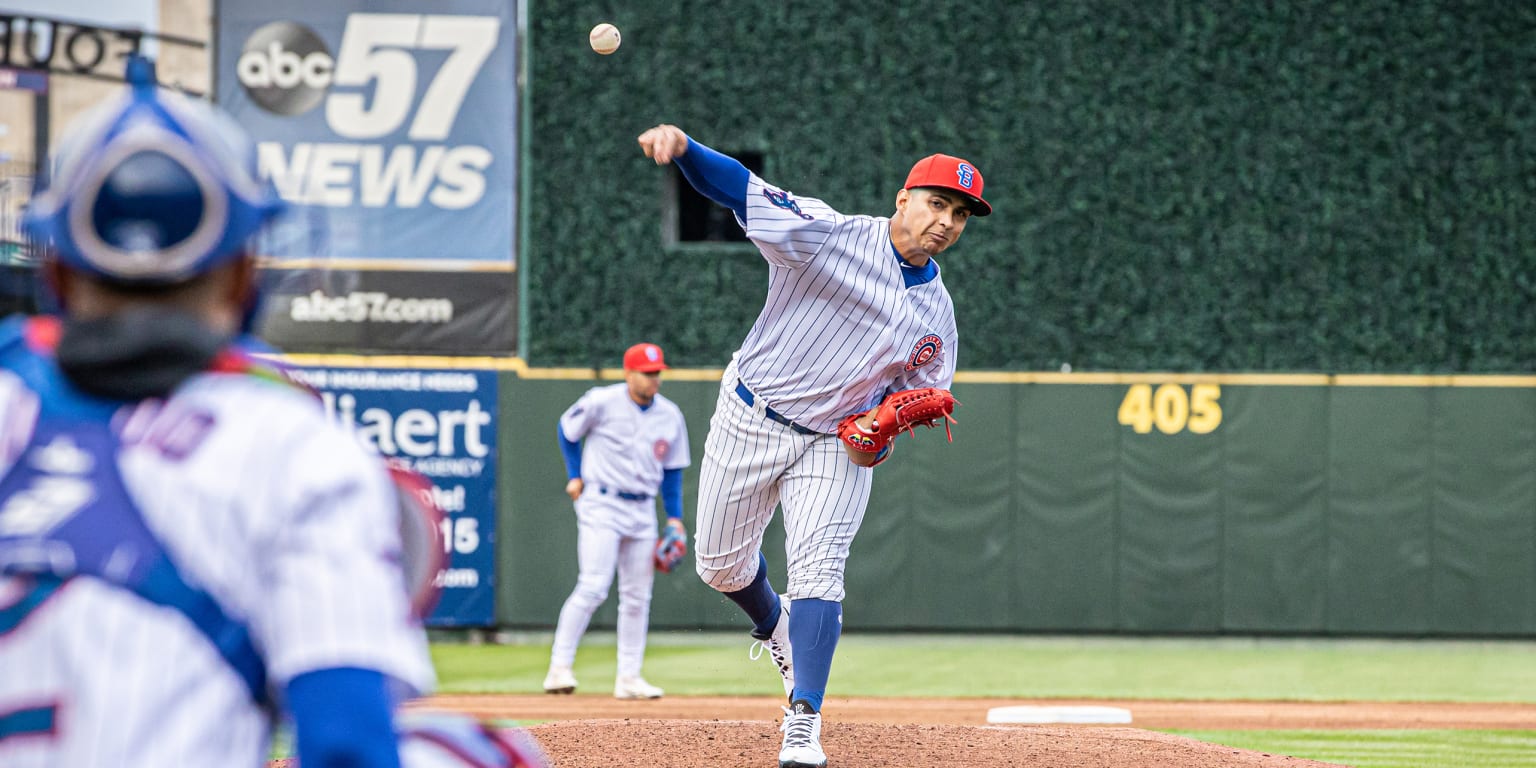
column 65, row 513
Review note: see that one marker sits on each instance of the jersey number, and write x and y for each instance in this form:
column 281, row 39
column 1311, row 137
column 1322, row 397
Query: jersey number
column 35, row 719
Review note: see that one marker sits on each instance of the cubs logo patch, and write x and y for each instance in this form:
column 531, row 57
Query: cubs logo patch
column 661, row 448
column 967, row 175
column 924, row 351
column 785, row 200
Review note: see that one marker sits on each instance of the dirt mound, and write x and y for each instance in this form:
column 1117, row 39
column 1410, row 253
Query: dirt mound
column 755, row 744
column 596, row 731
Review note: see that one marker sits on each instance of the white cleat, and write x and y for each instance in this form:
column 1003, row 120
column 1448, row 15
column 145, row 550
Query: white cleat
column 559, row 680
column 777, row 645
column 802, row 738
column 635, row 687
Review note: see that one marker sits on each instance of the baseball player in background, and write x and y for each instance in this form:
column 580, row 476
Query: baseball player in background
column 189, row 549
column 622, row 444
column 856, row 313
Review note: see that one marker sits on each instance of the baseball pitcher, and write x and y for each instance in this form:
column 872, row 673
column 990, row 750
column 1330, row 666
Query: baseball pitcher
column 855, row 344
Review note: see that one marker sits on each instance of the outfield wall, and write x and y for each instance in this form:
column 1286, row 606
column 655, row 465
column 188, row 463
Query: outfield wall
column 1156, row 503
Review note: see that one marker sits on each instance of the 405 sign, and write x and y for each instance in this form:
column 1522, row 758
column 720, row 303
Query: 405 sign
column 1171, row 409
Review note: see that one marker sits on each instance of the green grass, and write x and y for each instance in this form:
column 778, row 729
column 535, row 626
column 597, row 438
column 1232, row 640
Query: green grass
column 1105, row 668
column 1111, row 668
column 1389, row 749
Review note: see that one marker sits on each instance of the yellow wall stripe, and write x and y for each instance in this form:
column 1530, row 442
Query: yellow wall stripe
column 520, row 367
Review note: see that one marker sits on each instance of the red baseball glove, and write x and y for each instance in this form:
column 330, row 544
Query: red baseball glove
column 898, row 412
column 672, row 547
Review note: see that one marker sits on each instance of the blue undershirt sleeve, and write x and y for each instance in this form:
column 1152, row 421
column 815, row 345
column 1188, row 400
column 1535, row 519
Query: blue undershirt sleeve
column 571, row 450
column 672, row 492
column 719, row 177
column 342, row 719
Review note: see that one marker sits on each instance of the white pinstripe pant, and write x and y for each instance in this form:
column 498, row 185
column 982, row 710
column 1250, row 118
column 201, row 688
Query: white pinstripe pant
column 601, row 551
column 752, row 464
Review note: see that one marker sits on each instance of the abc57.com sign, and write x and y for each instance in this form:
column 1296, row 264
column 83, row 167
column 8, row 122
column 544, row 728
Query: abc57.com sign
column 391, row 97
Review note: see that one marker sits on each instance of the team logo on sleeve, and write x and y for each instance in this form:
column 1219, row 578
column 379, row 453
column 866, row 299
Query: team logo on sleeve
column 661, row 448
column 785, row 200
column 924, row 351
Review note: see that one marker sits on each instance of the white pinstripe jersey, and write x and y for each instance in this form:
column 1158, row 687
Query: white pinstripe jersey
column 284, row 519
column 626, row 449
column 840, row 328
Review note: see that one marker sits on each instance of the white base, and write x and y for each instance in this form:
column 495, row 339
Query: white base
column 1059, row 714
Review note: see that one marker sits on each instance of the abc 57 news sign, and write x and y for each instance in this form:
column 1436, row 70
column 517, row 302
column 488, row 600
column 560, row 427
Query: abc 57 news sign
column 397, row 124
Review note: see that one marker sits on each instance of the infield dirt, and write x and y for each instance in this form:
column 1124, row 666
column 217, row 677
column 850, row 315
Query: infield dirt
column 597, row 731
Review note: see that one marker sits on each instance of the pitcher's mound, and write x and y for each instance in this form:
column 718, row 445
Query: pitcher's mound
column 755, row 744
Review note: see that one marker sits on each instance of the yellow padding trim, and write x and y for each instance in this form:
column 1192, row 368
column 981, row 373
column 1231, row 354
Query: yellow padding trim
column 520, row 367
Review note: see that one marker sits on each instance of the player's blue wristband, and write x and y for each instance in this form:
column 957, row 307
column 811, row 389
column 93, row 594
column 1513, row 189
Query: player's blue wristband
column 342, row 717
column 719, row 177
column 672, row 492
column 571, row 450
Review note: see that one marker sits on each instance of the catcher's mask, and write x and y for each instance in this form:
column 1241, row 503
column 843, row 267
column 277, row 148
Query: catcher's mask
column 151, row 189
column 420, row 538
column 442, row 739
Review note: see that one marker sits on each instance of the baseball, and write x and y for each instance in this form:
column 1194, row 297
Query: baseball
column 604, row 38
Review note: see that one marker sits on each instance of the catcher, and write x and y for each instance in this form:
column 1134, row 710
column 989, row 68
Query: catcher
column 191, row 553
column 621, row 443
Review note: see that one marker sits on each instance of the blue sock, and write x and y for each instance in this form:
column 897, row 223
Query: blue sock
column 759, row 601
column 814, row 627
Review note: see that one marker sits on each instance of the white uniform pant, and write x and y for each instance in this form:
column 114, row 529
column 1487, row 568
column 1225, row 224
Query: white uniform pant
column 752, row 464
column 600, row 550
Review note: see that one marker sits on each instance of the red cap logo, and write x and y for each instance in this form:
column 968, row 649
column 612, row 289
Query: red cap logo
column 645, row 358
column 953, row 174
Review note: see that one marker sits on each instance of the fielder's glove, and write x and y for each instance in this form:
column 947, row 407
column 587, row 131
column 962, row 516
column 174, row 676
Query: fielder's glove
column 672, row 547
column 898, row 412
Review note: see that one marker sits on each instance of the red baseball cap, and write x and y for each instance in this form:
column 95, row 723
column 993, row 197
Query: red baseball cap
column 951, row 173
column 645, row 358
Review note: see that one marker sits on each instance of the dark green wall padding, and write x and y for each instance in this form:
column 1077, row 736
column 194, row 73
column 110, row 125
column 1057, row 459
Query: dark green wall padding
column 1241, row 186
column 1392, row 510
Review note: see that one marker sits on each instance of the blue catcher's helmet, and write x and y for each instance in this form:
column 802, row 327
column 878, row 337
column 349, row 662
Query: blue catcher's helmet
column 151, row 189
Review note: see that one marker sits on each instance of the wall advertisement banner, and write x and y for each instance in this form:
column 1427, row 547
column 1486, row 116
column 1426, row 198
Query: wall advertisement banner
column 441, row 423
column 438, row 313
column 391, row 132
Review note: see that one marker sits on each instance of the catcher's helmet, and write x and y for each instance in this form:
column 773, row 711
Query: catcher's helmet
column 151, row 188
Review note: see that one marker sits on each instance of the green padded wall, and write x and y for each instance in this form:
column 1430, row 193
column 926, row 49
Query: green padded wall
column 1274, row 479
column 1403, row 507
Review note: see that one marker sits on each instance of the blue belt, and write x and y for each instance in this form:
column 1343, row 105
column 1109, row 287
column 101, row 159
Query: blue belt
column 626, row 495
column 748, row 398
